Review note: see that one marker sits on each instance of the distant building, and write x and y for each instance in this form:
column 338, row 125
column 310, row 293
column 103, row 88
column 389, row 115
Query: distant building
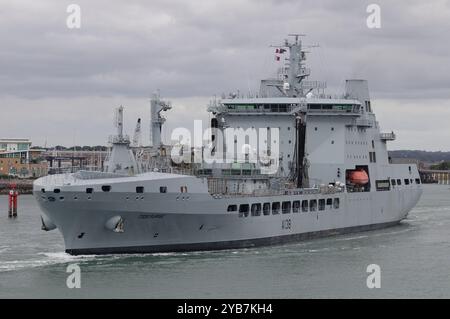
column 17, row 159
column 405, row 161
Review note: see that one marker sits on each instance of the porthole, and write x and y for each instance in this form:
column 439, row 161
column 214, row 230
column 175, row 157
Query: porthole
column 140, row 189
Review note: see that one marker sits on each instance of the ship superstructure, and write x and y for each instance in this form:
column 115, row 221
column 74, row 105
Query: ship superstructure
column 297, row 164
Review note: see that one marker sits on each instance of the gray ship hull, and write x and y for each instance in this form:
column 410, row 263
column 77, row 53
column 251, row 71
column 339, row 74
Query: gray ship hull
column 154, row 222
column 232, row 244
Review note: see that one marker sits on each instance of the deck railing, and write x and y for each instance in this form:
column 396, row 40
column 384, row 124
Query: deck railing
column 388, row 136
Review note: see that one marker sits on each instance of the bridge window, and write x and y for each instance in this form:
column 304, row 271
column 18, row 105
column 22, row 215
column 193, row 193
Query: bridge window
column 321, row 204
column 89, row 190
column 393, row 182
column 275, row 208
column 106, row 188
column 243, row 210
column 329, row 203
column 256, row 209
column 399, row 181
column 304, row 206
column 286, row 207
column 163, row 189
column 383, row 185
column 406, row 181
column 313, row 205
column 266, row 209
column 296, row 206
column 232, row 208
column 417, row 180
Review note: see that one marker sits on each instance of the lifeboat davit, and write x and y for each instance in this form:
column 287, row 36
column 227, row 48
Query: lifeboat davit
column 358, row 177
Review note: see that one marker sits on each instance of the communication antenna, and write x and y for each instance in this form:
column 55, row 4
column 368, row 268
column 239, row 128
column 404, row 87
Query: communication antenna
column 296, row 36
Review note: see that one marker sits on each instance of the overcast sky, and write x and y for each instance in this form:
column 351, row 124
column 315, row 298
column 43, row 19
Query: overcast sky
column 61, row 85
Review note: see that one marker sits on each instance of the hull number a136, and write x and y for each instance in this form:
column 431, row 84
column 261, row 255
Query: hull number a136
column 286, row 224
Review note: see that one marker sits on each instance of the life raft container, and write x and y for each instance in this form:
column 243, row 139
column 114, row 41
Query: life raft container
column 358, row 177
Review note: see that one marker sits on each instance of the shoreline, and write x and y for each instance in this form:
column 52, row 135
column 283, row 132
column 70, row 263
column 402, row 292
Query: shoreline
column 23, row 186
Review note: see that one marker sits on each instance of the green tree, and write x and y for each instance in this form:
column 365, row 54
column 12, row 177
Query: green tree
column 444, row 166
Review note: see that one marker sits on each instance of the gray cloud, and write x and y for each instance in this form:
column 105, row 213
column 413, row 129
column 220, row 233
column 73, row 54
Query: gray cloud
column 194, row 49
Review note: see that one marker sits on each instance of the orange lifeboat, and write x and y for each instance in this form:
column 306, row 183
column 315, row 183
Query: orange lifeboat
column 358, row 177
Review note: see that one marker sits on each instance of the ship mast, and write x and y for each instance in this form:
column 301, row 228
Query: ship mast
column 294, row 71
column 121, row 160
column 291, row 76
column 118, row 122
column 157, row 120
column 297, row 72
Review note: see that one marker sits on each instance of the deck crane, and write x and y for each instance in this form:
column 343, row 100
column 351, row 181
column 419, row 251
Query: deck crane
column 137, row 134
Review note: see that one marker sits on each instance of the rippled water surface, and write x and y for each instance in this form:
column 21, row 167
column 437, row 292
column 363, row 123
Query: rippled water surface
column 414, row 258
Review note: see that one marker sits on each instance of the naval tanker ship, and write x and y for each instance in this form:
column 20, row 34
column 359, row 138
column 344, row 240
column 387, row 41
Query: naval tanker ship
column 308, row 164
